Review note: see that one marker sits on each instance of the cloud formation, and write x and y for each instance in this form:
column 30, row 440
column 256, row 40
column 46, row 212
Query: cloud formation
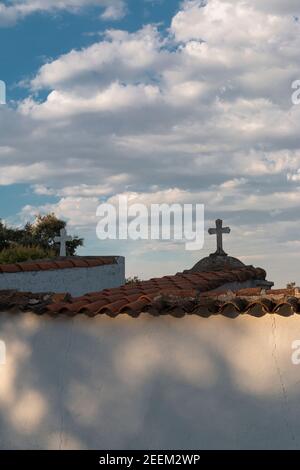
column 201, row 112
column 13, row 10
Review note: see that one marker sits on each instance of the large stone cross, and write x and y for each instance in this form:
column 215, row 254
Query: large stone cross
column 219, row 230
column 62, row 240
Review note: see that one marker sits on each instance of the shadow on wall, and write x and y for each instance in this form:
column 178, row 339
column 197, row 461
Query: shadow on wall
column 149, row 383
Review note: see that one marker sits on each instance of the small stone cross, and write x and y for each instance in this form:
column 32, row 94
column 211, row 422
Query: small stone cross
column 62, row 240
column 219, row 231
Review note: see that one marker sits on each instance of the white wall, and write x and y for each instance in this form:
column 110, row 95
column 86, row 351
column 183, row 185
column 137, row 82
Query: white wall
column 75, row 281
column 149, row 382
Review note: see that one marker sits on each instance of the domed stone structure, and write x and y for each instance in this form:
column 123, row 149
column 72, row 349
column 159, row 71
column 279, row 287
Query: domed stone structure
column 215, row 262
column 219, row 260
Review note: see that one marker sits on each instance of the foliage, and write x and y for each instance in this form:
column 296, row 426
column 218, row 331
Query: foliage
column 46, row 228
column 39, row 234
column 132, row 280
column 19, row 253
column 8, row 235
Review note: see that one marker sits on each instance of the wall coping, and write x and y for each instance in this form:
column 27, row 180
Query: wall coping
column 58, row 263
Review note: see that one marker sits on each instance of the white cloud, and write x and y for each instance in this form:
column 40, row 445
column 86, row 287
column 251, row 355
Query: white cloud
column 78, row 211
column 115, row 11
column 110, row 186
column 216, row 23
column 206, row 110
column 14, row 10
column 61, row 104
column 119, row 54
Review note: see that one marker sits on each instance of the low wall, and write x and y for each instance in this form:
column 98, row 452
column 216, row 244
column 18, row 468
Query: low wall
column 149, row 383
column 76, row 281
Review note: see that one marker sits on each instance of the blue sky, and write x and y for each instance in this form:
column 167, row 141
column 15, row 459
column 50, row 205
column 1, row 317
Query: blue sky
column 163, row 101
column 41, row 36
column 38, row 37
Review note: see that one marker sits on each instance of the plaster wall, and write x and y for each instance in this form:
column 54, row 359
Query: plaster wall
column 149, row 383
column 76, row 281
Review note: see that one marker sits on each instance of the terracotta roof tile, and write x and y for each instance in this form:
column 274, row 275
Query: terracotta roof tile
column 28, row 266
column 283, row 291
column 93, row 308
column 59, row 263
column 133, row 308
column 64, row 264
column 79, row 263
column 250, row 291
column 9, row 268
column 61, row 297
column 74, row 307
column 46, row 265
column 112, row 309
column 178, row 295
column 144, row 294
column 57, row 307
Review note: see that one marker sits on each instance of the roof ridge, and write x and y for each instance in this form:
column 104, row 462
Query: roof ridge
column 125, row 298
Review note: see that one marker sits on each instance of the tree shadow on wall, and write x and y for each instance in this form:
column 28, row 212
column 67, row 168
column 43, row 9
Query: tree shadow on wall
column 146, row 383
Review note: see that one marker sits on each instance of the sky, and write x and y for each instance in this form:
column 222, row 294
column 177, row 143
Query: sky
column 163, row 101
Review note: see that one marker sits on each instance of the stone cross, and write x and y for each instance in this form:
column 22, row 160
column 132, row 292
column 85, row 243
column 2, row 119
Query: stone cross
column 219, row 230
column 63, row 239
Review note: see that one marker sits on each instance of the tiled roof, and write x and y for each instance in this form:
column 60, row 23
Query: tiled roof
column 59, row 263
column 132, row 298
column 180, row 302
column 255, row 302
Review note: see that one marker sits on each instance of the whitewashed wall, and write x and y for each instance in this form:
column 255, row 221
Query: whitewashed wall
column 149, row 383
column 75, row 281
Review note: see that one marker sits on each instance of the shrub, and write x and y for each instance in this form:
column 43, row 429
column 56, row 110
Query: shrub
column 132, row 280
column 41, row 234
column 43, row 231
column 19, row 253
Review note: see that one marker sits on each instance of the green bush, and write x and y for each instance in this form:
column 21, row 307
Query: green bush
column 132, row 280
column 41, row 234
column 19, row 253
